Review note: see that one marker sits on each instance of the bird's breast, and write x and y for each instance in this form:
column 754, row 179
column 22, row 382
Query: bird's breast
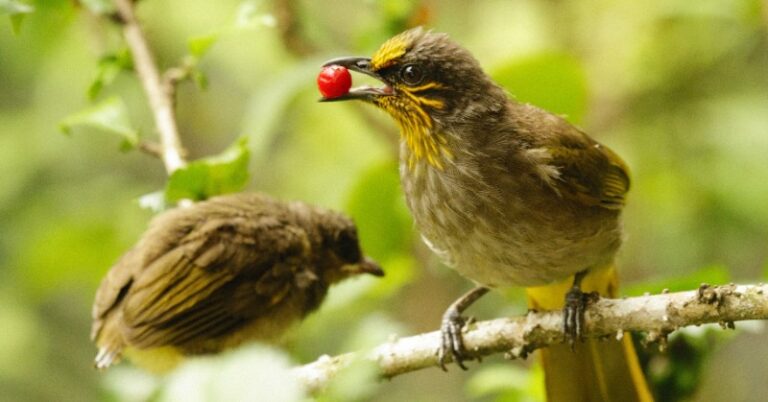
column 498, row 229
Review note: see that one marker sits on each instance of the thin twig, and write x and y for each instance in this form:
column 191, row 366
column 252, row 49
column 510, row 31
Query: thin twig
column 151, row 148
column 290, row 28
column 656, row 315
column 160, row 98
column 175, row 75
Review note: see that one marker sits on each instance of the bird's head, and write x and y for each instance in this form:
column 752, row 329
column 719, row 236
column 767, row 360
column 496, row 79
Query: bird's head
column 338, row 250
column 430, row 84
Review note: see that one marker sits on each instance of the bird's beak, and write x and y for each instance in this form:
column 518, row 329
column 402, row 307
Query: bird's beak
column 367, row 266
column 360, row 65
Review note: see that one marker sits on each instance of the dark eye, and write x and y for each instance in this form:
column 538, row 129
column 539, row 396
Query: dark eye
column 347, row 246
column 412, row 74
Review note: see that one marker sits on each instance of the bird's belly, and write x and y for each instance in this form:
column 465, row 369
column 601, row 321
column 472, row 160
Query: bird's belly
column 502, row 242
column 511, row 258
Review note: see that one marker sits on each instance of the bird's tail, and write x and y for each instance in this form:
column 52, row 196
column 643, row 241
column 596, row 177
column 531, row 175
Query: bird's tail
column 107, row 336
column 595, row 370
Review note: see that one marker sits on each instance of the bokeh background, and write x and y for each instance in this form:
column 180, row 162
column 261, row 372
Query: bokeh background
column 679, row 88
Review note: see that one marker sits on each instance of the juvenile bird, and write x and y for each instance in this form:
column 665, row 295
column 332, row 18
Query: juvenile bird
column 509, row 195
column 224, row 271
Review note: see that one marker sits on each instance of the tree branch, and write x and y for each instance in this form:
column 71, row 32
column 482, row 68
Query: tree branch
column 160, row 96
column 656, row 315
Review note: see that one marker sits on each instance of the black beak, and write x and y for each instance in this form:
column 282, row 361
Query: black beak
column 370, row 266
column 360, row 65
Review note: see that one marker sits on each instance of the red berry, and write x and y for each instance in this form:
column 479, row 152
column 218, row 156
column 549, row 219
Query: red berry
column 334, row 81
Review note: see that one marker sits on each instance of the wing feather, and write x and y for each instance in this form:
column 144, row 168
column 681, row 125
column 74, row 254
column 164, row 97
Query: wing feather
column 574, row 165
column 214, row 280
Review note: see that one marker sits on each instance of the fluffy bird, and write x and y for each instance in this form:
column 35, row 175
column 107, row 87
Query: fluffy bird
column 508, row 195
column 224, row 271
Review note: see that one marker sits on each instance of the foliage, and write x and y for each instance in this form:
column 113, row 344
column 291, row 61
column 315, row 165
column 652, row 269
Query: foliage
column 110, row 116
column 677, row 88
column 16, row 11
column 214, row 175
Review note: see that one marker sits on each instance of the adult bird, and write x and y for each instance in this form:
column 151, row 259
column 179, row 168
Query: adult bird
column 509, row 195
column 219, row 273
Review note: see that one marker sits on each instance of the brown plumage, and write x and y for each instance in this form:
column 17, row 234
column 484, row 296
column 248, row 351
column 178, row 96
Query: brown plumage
column 221, row 272
column 505, row 193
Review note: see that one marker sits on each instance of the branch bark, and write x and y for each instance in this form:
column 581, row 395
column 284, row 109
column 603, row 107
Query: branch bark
column 657, row 315
column 160, row 96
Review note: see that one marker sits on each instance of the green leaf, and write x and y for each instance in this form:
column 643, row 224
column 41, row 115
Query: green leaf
column 110, row 116
column 553, row 81
column 206, row 177
column 16, row 11
column 199, row 45
column 109, row 67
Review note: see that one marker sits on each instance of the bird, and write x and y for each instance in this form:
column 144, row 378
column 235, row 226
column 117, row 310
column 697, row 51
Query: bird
column 206, row 278
column 507, row 194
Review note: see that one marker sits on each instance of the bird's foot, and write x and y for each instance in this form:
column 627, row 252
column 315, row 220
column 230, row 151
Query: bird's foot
column 452, row 343
column 576, row 303
column 452, row 326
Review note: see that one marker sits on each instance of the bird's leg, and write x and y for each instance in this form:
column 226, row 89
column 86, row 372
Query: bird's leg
column 451, row 326
column 576, row 302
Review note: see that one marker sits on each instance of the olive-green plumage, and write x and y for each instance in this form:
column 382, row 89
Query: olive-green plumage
column 221, row 272
column 505, row 193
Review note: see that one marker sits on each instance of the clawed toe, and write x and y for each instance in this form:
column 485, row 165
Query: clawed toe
column 452, row 342
column 452, row 327
column 573, row 316
column 576, row 303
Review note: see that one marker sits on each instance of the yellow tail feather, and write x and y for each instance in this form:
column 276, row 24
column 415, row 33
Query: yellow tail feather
column 595, row 370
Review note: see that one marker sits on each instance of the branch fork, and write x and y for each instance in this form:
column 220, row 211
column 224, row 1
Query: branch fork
column 159, row 93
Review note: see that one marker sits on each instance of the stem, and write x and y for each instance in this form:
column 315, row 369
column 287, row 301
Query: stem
column 160, row 97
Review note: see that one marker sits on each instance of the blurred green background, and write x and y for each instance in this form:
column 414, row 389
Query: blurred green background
column 678, row 88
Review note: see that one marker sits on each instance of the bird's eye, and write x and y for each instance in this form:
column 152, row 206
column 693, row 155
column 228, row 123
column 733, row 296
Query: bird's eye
column 347, row 246
column 412, row 74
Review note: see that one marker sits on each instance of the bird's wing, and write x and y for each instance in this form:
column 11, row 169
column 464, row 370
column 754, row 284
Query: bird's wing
column 590, row 173
column 582, row 170
column 575, row 166
column 113, row 288
column 212, row 282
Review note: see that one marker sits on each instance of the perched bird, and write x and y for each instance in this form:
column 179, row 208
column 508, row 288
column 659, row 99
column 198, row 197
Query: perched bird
column 221, row 272
column 509, row 195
